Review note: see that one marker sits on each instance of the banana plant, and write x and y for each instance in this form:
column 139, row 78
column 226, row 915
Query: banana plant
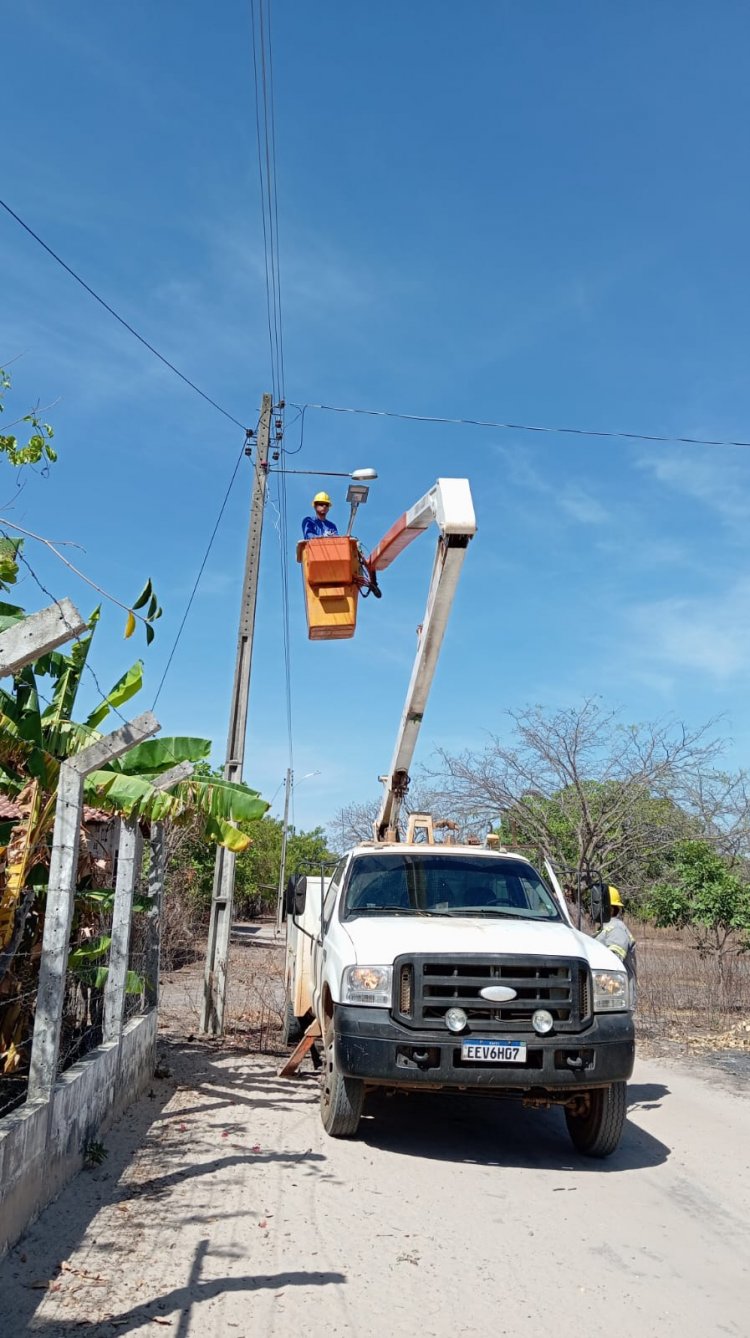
column 38, row 732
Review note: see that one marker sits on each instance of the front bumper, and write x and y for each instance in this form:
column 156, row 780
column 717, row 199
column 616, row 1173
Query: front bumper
column 371, row 1046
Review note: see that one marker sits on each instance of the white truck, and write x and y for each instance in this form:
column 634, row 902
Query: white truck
column 456, row 968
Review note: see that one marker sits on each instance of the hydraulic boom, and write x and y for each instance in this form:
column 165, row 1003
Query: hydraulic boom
column 449, row 505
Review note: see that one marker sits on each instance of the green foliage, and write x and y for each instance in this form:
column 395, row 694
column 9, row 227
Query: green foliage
column 35, row 741
column 125, row 688
column 256, row 869
column 156, row 755
column 701, row 892
column 94, row 1152
column 599, row 827
column 38, row 447
column 152, row 610
column 9, row 549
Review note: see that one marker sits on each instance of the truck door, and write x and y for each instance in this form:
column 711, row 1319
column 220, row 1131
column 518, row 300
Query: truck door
column 326, row 913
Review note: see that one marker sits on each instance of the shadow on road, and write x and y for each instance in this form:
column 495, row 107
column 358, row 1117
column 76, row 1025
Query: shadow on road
column 184, row 1299
column 646, row 1095
column 139, row 1175
column 488, row 1132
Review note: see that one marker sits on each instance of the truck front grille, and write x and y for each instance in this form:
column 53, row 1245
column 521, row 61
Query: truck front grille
column 427, row 986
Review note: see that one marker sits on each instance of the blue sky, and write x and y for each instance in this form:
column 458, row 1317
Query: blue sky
column 528, row 213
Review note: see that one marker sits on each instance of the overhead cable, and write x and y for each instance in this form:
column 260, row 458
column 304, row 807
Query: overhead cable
column 201, row 569
column 266, row 141
column 526, row 427
column 121, row 319
column 265, row 126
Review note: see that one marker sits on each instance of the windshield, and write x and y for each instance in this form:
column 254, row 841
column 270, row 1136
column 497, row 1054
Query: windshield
column 442, row 884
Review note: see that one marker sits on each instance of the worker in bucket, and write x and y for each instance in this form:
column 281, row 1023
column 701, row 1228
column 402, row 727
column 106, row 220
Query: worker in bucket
column 319, row 526
column 617, row 937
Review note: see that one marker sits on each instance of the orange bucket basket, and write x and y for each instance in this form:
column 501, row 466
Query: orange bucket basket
column 329, row 568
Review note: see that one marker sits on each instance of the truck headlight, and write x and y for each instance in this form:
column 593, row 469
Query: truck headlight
column 611, row 993
column 367, row 985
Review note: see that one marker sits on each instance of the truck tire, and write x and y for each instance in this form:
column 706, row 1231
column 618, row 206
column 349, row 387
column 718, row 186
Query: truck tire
column 291, row 1027
column 341, row 1098
column 597, row 1132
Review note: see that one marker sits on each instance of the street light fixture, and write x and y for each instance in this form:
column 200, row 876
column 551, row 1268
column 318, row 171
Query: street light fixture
column 358, row 474
column 356, row 494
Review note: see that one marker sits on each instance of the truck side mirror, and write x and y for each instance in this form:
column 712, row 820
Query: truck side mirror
column 300, row 894
column 289, row 895
column 601, row 906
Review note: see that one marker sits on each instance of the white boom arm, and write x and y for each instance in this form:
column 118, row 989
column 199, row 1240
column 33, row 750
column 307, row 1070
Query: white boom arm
column 449, row 505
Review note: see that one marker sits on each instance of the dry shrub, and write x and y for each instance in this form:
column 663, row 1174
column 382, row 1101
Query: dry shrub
column 681, row 991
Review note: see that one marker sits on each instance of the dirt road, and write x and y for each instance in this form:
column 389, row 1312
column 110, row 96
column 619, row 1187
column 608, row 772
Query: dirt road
column 222, row 1207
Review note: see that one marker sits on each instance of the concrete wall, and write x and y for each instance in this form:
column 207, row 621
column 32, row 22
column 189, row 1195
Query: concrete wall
column 42, row 1144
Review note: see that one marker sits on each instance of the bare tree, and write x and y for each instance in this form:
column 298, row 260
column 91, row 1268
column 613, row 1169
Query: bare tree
column 579, row 785
column 354, row 822
column 721, row 804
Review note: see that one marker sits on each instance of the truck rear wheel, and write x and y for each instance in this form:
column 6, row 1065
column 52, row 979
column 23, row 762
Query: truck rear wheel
column 341, row 1098
column 291, row 1027
column 597, row 1129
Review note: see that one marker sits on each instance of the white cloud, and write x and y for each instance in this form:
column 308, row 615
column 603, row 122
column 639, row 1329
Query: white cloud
column 583, row 506
column 719, row 481
column 576, row 501
column 709, row 635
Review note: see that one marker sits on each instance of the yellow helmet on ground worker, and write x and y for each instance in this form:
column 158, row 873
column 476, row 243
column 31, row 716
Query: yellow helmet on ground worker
column 614, row 897
column 321, row 497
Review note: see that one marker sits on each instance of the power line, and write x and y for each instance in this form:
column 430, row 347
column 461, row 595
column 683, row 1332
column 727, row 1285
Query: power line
column 266, row 141
column 201, row 569
column 523, row 427
column 120, row 319
column 286, row 635
column 272, row 105
column 265, row 126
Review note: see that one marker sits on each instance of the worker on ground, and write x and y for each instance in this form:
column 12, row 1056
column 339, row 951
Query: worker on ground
column 617, row 937
column 319, row 526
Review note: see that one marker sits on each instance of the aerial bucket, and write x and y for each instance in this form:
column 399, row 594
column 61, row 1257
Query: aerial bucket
column 329, row 568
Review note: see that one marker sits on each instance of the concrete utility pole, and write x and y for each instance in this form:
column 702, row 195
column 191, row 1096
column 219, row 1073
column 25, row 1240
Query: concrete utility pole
column 217, row 953
column 284, row 838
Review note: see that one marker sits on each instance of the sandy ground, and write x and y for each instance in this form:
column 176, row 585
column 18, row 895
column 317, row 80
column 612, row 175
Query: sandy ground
column 222, row 1207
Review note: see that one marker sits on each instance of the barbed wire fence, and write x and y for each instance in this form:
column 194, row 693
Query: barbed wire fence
column 73, row 971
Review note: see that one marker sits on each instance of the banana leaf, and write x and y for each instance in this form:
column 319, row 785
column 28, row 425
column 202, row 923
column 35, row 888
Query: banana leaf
column 125, row 688
column 157, row 755
column 95, row 977
column 88, row 952
column 218, row 798
column 224, row 834
column 130, row 796
column 68, row 670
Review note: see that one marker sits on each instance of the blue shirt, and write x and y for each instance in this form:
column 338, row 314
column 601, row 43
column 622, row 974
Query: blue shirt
column 314, row 527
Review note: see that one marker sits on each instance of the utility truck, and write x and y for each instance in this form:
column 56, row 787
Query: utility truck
column 430, row 966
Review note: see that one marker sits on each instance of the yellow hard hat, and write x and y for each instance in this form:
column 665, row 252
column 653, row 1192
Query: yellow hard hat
column 321, row 497
column 614, row 897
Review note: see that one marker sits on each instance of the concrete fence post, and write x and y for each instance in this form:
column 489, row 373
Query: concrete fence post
column 128, row 867
column 156, row 872
column 58, row 915
column 30, row 638
column 156, row 876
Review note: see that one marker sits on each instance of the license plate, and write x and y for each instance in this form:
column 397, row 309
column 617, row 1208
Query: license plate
column 494, row 1052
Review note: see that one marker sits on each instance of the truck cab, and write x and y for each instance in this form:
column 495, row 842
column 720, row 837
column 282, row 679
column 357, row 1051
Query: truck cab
column 457, row 969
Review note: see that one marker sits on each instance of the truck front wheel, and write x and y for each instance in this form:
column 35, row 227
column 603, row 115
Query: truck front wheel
column 595, row 1128
column 341, row 1098
column 292, row 1030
